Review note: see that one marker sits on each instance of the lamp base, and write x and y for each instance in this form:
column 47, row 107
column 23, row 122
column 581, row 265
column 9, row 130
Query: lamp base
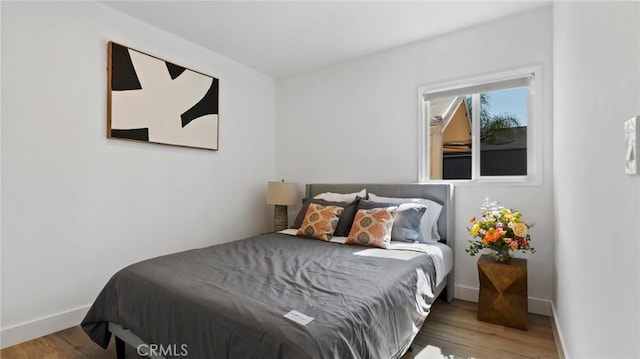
column 280, row 218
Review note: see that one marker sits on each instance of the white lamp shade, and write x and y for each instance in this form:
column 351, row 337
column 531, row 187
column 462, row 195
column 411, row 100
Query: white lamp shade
column 282, row 193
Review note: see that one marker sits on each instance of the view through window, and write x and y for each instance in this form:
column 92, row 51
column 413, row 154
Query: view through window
column 483, row 126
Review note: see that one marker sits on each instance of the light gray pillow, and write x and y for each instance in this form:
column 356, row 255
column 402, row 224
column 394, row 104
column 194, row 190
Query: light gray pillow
column 429, row 223
column 406, row 227
column 341, row 197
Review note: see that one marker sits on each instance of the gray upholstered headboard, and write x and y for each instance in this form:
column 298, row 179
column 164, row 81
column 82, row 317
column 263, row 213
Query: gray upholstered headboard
column 440, row 193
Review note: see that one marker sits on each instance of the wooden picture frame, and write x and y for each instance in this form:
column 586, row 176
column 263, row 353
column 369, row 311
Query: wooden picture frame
column 153, row 100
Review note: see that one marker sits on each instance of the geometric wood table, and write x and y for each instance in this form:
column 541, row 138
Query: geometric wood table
column 503, row 292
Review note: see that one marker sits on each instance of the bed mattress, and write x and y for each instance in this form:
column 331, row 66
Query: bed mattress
column 272, row 296
column 440, row 253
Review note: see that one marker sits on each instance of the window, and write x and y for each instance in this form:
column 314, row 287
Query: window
column 480, row 130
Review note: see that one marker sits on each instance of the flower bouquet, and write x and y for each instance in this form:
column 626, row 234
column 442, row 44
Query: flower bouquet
column 501, row 230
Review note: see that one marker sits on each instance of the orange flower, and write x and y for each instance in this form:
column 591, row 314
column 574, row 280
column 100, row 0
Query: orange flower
column 491, row 236
column 473, row 219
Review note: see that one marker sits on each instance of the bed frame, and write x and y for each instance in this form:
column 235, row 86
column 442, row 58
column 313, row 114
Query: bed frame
column 440, row 193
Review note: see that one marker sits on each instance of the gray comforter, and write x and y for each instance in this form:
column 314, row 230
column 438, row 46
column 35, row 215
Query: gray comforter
column 228, row 300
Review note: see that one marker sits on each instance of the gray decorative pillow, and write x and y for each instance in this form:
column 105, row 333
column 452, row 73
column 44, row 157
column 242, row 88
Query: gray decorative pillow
column 406, row 227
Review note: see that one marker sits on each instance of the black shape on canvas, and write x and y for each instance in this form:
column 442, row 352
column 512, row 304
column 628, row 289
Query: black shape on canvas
column 140, row 134
column 208, row 105
column 174, row 70
column 123, row 74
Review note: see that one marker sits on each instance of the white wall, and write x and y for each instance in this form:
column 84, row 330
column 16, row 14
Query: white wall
column 357, row 122
column 597, row 214
column 76, row 207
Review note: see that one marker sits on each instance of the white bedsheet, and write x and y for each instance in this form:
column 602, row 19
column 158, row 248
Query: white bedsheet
column 440, row 253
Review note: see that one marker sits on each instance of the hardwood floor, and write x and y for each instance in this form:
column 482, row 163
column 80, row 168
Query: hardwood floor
column 451, row 331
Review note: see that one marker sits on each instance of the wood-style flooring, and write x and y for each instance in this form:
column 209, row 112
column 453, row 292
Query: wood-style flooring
column 451, row 331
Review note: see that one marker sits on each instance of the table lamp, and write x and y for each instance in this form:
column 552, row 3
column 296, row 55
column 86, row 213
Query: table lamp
column 281, row 194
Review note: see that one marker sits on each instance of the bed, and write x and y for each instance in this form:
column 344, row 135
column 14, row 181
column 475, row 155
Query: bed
column 279, row 295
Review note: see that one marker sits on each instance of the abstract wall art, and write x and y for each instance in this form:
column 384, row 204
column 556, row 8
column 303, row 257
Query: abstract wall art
column 153, row 100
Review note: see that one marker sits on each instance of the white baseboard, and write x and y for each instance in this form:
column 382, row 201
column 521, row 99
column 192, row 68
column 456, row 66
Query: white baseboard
column 557, row 333
column 39, row 327
column 536, row 305
column 463, row 292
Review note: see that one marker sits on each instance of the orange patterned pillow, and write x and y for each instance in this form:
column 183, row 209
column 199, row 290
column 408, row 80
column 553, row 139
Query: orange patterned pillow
column 320, row 221
column 372, row 227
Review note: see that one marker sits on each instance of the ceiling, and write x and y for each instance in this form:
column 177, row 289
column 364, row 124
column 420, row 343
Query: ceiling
column 282, row 38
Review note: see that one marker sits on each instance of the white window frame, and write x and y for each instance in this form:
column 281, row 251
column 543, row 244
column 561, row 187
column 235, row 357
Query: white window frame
column 534, row 128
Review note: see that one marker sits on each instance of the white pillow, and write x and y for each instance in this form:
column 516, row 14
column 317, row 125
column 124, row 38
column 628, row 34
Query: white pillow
column 428, row 224
column 341, row 197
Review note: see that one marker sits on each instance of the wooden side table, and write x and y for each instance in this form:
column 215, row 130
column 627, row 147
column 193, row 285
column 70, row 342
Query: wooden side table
column 503, row 292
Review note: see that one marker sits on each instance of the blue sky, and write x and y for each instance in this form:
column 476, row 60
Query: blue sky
column 512, row 101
